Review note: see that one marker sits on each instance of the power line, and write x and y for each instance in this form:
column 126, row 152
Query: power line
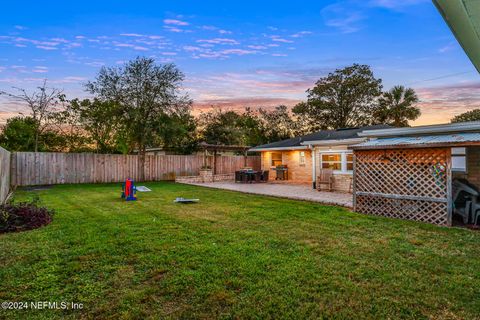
column 441, row 77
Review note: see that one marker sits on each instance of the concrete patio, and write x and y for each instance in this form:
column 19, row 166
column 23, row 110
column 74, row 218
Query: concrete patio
column 290, row 191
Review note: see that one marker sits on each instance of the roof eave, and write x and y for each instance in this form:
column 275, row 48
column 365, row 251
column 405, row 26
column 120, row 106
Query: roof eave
column 417, row 146
column 456, row 15
column 443, row 128
column 333, row 142
column 278, row 148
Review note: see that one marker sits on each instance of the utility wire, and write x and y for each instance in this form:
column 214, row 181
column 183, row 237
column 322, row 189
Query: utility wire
column 441, row 77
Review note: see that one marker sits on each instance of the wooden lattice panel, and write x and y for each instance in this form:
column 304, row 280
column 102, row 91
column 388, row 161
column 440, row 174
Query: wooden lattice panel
column 403, row 183
column 418, row 210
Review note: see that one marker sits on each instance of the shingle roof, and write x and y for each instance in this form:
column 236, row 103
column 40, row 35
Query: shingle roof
column 339, row 134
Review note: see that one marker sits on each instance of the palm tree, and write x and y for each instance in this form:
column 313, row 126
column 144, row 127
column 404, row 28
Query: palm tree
column 397, row 107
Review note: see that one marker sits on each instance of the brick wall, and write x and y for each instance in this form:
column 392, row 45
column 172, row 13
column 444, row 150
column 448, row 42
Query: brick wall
column 296, row 172
column 341, row 182
column 206, row 178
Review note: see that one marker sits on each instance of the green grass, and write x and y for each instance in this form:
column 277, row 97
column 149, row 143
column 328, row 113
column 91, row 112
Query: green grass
column 233, row 256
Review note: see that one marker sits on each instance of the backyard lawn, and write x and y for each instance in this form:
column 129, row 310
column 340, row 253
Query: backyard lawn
column 233, row 255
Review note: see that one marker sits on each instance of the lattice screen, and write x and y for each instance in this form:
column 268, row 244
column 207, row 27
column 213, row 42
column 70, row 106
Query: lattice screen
column 403, row 183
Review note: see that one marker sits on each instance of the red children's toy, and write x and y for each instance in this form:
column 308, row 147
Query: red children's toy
column 129, row 190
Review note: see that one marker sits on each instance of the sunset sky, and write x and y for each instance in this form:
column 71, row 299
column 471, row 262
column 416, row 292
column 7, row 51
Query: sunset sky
column 239, row 53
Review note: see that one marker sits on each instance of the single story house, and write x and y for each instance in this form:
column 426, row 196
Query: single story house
column 395, row 172
column 304, row 156
column 408, row 172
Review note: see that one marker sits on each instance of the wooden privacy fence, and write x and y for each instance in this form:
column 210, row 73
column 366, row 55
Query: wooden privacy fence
column 44, row 168
column 4, row 174
column 410, row 184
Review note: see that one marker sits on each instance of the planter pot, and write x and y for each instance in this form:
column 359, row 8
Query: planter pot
column 206, row 175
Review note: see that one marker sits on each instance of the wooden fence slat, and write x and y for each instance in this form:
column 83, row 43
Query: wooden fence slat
column 5, row 174
column 30, row 168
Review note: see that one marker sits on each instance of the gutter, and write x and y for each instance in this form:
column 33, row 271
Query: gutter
column 442, row 128
column 333, row 142
column 278, row 149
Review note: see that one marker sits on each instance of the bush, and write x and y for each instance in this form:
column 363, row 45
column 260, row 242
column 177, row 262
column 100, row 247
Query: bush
column 23, row 216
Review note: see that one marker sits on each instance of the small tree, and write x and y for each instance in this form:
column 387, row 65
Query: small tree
column 397, row 107
column 344, row 98
column 99, row 119
column 41, row 105
column 473, row 115
column 18, row 134
column 145, row 92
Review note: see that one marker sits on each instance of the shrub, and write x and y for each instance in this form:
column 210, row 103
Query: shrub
column 23, row 216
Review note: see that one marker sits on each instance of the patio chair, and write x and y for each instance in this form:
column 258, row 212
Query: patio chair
column 325, row 178
column 245, row 177
column 238, row 176
column 258, row 176
column 465, row 200
column 476, row 218
column 265, row 174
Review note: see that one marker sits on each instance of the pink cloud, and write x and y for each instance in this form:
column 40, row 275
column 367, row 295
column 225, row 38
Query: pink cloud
column 131, row 35
column 278, row 39
column 237, row 52
column 219, row 41
column 257, row 47
column 175, row 22
column 46, row 48
column 301, row 34
column 239, row 104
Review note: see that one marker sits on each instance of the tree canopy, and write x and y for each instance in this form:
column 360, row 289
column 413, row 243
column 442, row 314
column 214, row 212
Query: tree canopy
column 344, row 98
column 472, row 115
column 142, row 104
column 146, row 94
column 41, row 103
column 397, row 107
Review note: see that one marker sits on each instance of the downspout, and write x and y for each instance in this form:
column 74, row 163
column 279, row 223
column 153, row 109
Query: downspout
column 314, row 168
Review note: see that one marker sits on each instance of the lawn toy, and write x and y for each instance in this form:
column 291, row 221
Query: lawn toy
column 129, row 190
column 183, row 200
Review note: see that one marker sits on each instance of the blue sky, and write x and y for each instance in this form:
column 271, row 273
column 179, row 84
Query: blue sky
column 239, row 53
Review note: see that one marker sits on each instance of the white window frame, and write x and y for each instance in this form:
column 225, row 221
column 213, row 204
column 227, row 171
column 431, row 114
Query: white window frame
column 301, row 158
column 343, row 154
column 271, row 158
column 459, row 152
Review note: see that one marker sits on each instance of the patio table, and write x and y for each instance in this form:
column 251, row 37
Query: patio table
column 247, row 176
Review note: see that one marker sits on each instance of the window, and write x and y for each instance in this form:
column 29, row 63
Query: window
column 459, row 159
column 276, row 159
column 341, row 161
column 349, row 161
column 301, row 159
column 332, row 161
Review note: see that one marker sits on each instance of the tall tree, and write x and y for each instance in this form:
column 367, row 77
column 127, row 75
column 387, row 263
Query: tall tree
column 277, row 124
column 397, row 106
column 42, row 105
column 472, row 115
column 178, row 132
column 344, row 98
column 222, row 127
column 145, row 93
